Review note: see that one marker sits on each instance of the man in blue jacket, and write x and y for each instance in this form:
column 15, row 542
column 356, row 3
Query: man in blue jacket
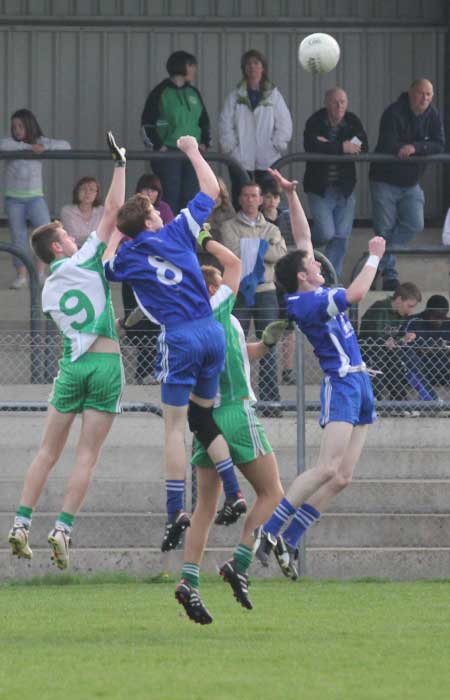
column 408, row 127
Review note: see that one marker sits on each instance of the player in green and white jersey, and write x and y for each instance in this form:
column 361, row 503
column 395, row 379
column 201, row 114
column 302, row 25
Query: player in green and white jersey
column 90, row 380
column 249, row 448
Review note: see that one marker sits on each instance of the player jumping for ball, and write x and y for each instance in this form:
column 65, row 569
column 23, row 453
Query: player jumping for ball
column 161, row 266
column 347, row 404
column 90, row 378
column 235, row 414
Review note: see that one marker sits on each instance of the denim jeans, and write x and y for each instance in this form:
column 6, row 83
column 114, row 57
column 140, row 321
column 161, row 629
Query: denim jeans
column 333, row 216
column 263, row 312
column 178, row 179
column 19, row 211
column 397, row 216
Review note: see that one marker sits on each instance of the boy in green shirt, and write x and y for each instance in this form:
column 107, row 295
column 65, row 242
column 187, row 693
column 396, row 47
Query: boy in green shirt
column 90, row 380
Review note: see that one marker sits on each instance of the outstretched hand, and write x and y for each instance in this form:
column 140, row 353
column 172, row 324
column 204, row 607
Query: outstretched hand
column 286, row 185
column 117, row 152
column 187, row 144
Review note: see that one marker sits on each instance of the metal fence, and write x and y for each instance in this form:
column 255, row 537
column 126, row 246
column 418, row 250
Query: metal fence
column 411, row 371
column 31, row 357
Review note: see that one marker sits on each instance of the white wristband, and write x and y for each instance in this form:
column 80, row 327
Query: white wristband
column 372, row 261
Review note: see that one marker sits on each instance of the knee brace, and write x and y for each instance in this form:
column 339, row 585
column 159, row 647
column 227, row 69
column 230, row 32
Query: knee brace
column 202, row 424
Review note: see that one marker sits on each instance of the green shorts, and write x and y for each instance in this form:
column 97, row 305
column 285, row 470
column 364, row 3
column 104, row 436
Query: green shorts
column 94, row 381
column 243, row 432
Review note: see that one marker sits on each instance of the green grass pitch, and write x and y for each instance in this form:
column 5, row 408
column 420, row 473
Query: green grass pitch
column 121, row 639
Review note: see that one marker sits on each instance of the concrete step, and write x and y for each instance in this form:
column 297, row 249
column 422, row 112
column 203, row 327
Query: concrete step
column 395, row 563
column 135, row 463
column 334, row 530
column 19, row 430
column 373, row 496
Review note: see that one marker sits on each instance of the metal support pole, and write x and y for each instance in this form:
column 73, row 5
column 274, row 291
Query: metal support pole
column 301, row 432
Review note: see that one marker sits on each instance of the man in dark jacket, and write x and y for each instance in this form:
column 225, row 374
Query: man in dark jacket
column 409, row 126
column 332, row 131
column 175, row 108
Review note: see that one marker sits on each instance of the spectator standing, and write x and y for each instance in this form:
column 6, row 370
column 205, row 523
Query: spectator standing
column 83, row 216
column 408, row 127
column 144, row 334
column 333, row 130
column 255, row 125
column 24, row 195
column 381, row 328
column 175, row 108
column 259, row 244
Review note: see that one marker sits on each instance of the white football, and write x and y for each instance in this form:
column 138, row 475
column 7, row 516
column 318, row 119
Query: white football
column 318, row 53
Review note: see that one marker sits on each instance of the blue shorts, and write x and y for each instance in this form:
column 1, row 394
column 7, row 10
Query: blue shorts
column 348, row 399
column 190, row 359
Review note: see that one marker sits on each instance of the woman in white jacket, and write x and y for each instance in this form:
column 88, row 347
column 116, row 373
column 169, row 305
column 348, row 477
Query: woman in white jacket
column 255, row 125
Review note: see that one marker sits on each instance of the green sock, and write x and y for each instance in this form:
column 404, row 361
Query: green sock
column 23, row 516
column 66, row 520
column 24, row 511
column 243, row 556
column 191, row 572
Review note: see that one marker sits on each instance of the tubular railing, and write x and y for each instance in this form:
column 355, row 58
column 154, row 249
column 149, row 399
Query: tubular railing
column 357, row 158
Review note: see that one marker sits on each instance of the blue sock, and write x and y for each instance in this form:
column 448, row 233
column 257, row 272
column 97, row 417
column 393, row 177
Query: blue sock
column 280, row 515
column 225, row 469
column 304, row 517
column 175, row 496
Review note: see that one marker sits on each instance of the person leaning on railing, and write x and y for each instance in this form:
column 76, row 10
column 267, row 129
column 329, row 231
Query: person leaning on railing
column 410, row 126
column 24, row 194
column 333, row 130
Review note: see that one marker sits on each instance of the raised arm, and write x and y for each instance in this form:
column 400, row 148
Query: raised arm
column 299, row 223
column 206, row 178
column 116, row 193
column 230, row 263
column 362, row 282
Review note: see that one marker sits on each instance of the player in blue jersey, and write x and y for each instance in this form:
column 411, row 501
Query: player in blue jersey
column 161, row 266
column 346, row 397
